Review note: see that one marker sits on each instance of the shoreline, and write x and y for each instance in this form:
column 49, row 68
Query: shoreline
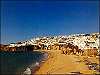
column 50, row 55
column 44, row 59
column 36, row 66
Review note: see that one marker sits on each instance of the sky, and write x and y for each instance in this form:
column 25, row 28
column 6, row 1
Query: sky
column 23, row 20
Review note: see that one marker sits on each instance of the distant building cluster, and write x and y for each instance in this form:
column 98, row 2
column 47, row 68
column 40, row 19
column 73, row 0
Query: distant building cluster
column 82, row 41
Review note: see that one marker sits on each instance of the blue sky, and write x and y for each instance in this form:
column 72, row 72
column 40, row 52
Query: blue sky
column 22, row 20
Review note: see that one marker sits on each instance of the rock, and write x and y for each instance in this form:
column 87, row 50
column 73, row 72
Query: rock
column 37, row 64
column 27, row 71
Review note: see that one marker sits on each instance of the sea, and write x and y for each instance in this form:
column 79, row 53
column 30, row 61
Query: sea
column 16, row 62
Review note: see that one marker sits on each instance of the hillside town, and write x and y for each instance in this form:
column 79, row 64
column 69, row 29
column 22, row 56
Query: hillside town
column 80, row 42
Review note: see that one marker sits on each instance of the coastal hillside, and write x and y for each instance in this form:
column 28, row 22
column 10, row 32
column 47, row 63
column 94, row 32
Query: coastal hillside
column 83, row 41
column 67, row 54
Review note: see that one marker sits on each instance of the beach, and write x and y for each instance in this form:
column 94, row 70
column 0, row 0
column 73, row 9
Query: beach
column 58, row 63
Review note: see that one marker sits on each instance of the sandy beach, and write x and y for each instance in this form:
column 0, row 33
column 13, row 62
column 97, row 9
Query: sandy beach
column 58, row 63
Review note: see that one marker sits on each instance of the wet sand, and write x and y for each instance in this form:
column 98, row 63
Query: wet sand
column 58, row 63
